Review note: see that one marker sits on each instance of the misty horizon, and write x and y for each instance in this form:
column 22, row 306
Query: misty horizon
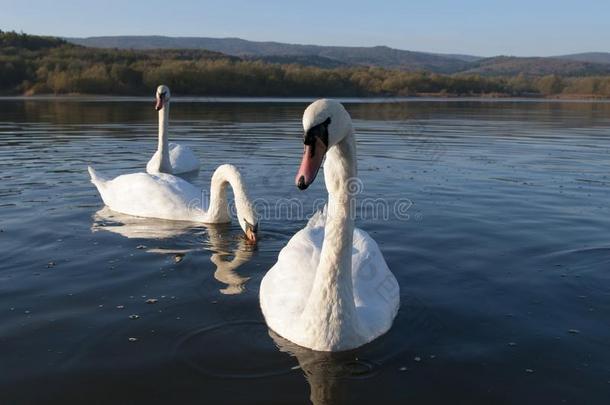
column 447, row 53
column 473, row 27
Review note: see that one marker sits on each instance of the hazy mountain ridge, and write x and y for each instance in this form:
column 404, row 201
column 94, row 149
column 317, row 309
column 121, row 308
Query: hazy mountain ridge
column 592, row 63
column 592, row 57
column 382, row 56
column 536, row 66
column 45, row 65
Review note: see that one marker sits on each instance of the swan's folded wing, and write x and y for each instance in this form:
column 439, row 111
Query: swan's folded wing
column 182, row 159
column 155, row 196
column 286, row 287
column 317, row 220
column 376, row 290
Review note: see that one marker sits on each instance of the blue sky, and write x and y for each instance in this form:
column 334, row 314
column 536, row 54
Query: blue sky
column 478, row 27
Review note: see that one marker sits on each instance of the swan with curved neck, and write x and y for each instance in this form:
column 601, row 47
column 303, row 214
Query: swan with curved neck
column 169, row 158
column 330, row 289
column 165, row 196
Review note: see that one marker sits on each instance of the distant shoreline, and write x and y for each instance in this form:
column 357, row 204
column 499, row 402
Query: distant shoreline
column 35, row 65
column 256, row 99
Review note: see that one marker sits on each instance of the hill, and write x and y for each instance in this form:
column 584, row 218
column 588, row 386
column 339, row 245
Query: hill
column 381, row 56
column 303, row 60
column 537, row 66
column 43, row 65
column 592, row 57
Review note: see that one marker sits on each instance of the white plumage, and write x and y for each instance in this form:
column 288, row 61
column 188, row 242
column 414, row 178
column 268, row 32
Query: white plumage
column 287, row 287
column 331, row 288
column 182, row 160
column 169, row 158
column 162, row 196
column 165, row 196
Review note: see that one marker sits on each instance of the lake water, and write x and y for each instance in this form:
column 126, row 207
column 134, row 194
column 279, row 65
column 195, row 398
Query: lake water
column 501, row 248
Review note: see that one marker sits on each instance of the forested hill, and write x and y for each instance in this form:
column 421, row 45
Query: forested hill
column 512, row 66
column 45, row 65
column 381, row 56
column 592, row 57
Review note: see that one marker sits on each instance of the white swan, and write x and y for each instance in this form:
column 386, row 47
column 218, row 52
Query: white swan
column 170, row 157
column 330, row 289
column 165, row 196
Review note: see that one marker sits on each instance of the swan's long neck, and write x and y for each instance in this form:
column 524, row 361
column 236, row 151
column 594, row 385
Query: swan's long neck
column 330, row 310
column 163, row 148
column 218, row 211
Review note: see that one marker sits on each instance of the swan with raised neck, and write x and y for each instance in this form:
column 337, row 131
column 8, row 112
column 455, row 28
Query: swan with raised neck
column 162, row 106
column 170, row 158
column 332, row 308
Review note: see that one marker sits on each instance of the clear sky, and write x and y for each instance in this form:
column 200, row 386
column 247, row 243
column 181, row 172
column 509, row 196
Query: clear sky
column 486, row 28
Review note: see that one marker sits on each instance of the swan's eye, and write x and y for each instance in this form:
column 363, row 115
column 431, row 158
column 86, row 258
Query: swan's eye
column 253, row 228
column 318, row 131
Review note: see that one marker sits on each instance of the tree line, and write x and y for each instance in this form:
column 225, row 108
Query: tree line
column 45, row 65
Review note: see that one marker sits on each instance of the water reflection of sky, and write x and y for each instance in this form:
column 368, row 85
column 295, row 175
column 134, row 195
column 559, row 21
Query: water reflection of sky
column 502, row 263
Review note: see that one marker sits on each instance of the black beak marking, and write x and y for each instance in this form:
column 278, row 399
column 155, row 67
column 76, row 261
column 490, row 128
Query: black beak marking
column 253, row 228
column 317, row 131
column 301, row 185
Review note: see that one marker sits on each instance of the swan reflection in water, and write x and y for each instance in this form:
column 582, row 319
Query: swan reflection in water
column 228, row 252
column 327, row 373
column 137, row 227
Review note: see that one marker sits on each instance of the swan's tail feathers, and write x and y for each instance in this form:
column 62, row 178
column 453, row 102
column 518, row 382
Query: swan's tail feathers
column 96, row 178
column 93, row 174
column 99, row 182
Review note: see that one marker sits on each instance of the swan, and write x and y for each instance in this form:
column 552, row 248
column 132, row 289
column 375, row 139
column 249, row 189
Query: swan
column 165, row 196
column 331, row 289
column 170, row 157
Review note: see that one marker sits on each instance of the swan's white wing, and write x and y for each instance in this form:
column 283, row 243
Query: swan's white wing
column 181, row 158
column 153, row 196
column 286, row 287
column 376, row 290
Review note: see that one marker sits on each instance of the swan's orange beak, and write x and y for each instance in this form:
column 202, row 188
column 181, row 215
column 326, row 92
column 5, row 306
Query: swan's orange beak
column 250, row 236
column 251, row 231
column 313, row 155
column 159, row 103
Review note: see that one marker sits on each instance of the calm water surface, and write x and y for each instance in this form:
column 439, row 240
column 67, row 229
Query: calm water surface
column 503, row 258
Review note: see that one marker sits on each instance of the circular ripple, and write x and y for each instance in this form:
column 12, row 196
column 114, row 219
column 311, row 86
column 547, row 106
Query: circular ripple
column 238, row 349
column 248, row 349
